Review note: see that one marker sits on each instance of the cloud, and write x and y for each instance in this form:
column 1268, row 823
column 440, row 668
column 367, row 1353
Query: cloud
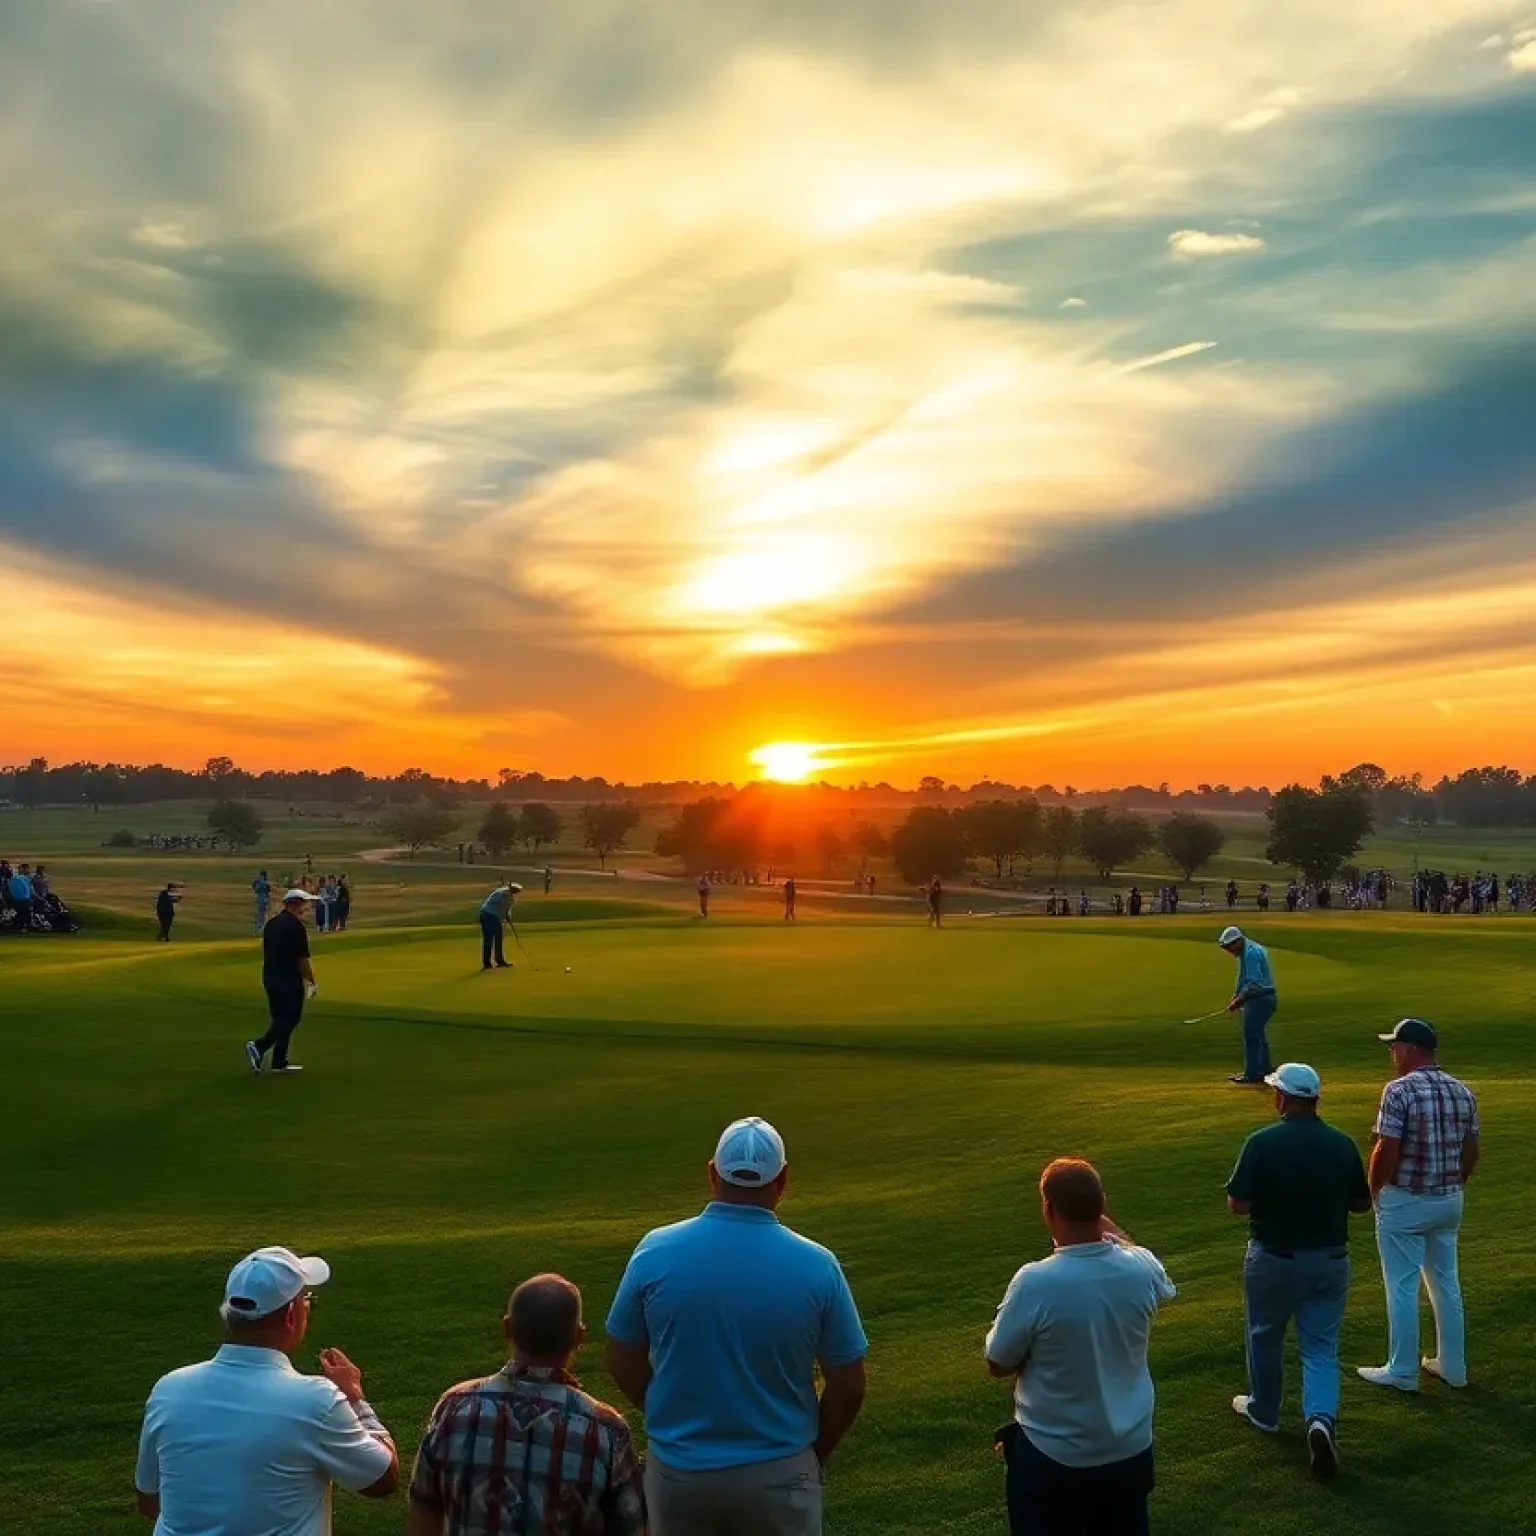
column 1073, row 303
column 1523, row 59
column 1171, row 355
column 1199, row 242
column 1270, row 109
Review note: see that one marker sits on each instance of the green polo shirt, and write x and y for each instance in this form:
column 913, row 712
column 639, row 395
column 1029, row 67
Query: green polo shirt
column 1300, row 1176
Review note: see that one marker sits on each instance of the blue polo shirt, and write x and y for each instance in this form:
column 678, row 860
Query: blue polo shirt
column 21, row 888
column 1255, row 976
column 737, row 1311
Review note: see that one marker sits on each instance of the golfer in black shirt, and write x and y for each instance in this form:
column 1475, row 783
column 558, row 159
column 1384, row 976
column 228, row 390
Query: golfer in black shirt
column 165, row 911
column 288, row 978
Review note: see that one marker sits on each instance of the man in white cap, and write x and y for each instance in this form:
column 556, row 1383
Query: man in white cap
column 245, row 1445
column 1255, row 998
column 1427, row 1145
column 717, row 1330
column 494, row 912
column 288, row 979
column 1297, row 1182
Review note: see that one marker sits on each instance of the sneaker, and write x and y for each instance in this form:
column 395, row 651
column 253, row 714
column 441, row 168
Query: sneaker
column 253, row 1056
column 1433, row 1366
column 291, row 1068
column 1380, row 1376
column 1321, row 1450
column 1242, row 1405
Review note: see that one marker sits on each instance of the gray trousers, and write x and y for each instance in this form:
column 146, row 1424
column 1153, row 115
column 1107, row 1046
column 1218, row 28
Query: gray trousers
column 768, row 1498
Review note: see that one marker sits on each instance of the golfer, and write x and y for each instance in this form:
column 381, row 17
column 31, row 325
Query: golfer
column 789, row 899
column 1255, row 998
column 703, row 895
column 1297, row 1182
column 165, row 911
column 1427, row 1146
column 288, row 978
column 935, row 903
column 494, row 912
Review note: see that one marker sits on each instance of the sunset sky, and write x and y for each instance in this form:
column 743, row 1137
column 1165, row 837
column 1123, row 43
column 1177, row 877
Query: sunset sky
column 1083, row 391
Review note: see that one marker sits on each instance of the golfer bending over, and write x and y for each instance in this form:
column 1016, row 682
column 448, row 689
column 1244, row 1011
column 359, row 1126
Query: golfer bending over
column 1256, row 999
column 494, row 912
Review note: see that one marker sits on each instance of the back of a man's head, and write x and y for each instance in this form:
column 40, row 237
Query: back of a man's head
column 544, row 1318
column 1072, row 1188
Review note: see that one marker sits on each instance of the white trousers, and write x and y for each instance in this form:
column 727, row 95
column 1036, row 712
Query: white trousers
column 1416, row 1236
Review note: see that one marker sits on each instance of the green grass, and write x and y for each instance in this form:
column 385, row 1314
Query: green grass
column 456, row 1131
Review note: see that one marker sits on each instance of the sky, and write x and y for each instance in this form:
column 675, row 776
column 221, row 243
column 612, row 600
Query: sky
column 1092, row 393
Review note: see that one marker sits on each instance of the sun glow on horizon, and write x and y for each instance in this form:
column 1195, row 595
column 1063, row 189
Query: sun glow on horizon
column 788, row 762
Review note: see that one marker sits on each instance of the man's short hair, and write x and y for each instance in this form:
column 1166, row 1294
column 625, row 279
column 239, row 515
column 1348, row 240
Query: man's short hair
column 544, row 1317
column 1073, row 1189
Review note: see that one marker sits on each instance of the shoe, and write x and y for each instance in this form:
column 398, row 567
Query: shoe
column 1433, row 1366
column 1239, row 1081
column 1380, row 1376
column 289, row 1070
column 253, row 1056
column 487, row 967
column 503, row 965
column 1321, row 1450
column 1242, row 1405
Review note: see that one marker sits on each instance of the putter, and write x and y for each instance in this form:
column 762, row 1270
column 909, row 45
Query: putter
column 1215, row 1013
column 518, row 940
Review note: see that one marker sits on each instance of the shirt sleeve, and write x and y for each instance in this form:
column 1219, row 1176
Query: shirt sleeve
column 626, row 1317
column 1163, row 1289
column 1242, row 1184
column 842, row 1333
column 427, row 1473
column 1473, row 1128
column 1393, row 1114
column 147, row 1477
column 624, row 1499
column 1013, row 1329
column 346, row 1451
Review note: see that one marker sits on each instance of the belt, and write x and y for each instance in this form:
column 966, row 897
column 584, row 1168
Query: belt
column 1291, row 1253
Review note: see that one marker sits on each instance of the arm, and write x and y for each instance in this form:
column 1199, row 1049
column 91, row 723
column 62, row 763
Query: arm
column 1471, row 1154
column 1386, row 1154
column 351, row 1448
column 630, row 1367
column 1239, row 1207
column 842, row 1396
column 149, row 1504
column 424, row 1520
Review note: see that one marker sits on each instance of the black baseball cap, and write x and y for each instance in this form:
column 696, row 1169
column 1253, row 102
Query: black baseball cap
column 1413, row 1032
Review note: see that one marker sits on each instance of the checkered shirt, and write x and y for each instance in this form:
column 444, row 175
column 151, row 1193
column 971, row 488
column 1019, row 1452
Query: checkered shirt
column 527, row 1453
column 1432, row 1113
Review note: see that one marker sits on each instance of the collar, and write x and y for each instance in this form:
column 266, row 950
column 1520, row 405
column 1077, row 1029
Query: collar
column 1093, row 1250
column 253, row 1357
column 721, row 1210
column 515, row 1371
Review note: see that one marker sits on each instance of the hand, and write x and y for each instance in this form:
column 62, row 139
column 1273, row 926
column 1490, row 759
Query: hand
column 1234, row 1005
column 311, row 989
column 1110, row 1231
column 342, row 1374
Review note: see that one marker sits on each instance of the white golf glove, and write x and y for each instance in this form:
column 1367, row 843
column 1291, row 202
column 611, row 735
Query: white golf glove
column 311, row 990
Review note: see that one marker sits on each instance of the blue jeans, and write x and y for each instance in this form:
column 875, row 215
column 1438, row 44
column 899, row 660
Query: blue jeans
column 1310, row 1286
column 1257, row 1012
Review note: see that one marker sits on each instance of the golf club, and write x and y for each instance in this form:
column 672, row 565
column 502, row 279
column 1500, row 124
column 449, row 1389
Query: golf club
column 1215, row 1013
column 518, row 940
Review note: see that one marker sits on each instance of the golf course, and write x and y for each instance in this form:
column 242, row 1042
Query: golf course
column 455, row 1131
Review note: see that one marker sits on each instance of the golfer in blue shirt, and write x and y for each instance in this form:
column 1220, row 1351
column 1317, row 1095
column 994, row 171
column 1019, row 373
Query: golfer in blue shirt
column 494, row 912
column 1255, row 998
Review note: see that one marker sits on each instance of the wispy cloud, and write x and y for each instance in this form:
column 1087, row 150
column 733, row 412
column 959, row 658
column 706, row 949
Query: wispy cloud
column 1200, row 242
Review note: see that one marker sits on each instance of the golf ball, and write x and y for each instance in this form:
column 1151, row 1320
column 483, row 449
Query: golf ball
column 567, row 970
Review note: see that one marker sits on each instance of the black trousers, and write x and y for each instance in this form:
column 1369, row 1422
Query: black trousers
column 1046, row 1498
column 285, row 1003
column 490, row 939
column 23, row 914
column 164, row 936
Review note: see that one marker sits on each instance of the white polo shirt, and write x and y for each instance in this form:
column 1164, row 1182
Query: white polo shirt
column 1076, row 1327
column 245, row 1445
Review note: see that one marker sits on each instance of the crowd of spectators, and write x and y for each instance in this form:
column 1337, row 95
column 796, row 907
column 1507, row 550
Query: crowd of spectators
column 28, row 902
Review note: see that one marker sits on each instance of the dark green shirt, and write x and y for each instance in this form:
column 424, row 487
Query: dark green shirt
column 1301, row 1177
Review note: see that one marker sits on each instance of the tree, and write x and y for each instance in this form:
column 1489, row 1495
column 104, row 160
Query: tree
column 537, row 825
column 869, row 842
column 931, row 841
column 104, row 786
column 831, row 846
column 1317, row 831
column 930, row 784
column 1110, row 839
column 29, row 784
column 220, row 773
column 607, row 825
column 1058, row 835
column 1190, row 842
column 238, row 824
column 499, row 829
column 1366, row 776
column 1003, row 830
column 420, row 826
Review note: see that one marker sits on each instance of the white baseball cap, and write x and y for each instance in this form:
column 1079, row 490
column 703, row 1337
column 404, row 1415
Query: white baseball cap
column 1296, row 1080
column 296, row 895
column 750, row 1153
column 1229, row 936
column 265, row 1282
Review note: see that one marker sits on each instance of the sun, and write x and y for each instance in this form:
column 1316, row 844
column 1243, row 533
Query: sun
column 787, row 762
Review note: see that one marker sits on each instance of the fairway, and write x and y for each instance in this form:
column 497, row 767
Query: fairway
column 456, row 1130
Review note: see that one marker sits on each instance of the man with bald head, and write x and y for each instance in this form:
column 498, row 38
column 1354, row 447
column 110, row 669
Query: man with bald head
column 526, row 1449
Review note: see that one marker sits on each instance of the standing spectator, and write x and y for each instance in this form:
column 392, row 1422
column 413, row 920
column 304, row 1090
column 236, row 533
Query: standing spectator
column 244, row 1442
column 789, row 898
column 21, row 896
column 703, row 895
column 549, row 879
column 935, row 903
column 41, row 889
column 343, row 907
column 1297, row 1182
column 261, row 892
column 1263, row 897
column 287, row 978
column 322, row 906
column 717, row 1330
column 494, row 911
column 1255, row 998
column 165, row 911
column 1231, row 894
column 527, row 1449
column 1072, row 1333
column 1427, row 1146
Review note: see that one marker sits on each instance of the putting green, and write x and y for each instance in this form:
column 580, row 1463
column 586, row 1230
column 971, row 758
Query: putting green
column 455, row 1130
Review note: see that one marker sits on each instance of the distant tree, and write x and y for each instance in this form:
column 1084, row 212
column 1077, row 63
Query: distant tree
column 347, row 785
column 831, row 847
column 1366, row 776
column 1058, row 836
column 1003, row 830
column 869, row 841
column 410, row 785
column 500, row 828
column 1190, row 841
column 930, row 784
column 221, row 773
column 443, row 797
column 931, row 841
column 29, row 785
column 538, row 824
column 1317, row 831
column 715, row 833
column 236, row 823
column 122, row 838
column 1110, row 839
column 104, row 786
column 419, row 826
column 607, row 825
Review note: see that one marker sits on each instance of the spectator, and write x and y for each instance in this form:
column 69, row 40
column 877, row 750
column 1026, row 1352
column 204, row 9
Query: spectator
column 343, row 907
column 165, row 911
column 244, row 1443
column 41, row 888
column 527, row 1449
column 1427, row 1146
column 21, row 896
column 1072, row 1332
column 716, row 1332
column 261, row 892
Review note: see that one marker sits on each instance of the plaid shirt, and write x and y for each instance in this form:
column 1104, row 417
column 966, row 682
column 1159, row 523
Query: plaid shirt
column 1432, row 1113
column 527, row 1453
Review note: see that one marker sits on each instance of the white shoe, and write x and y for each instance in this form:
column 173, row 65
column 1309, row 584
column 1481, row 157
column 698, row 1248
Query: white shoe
column 1242, row 1405
column 1322, row 1450
column 292, row 1067
column 1433, row 1366
column 1380, row 1376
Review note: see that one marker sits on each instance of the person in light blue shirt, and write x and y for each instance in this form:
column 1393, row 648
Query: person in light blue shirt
column 494, row 913
column 261, row 890
column 1256, row 999
column 716, row 1332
